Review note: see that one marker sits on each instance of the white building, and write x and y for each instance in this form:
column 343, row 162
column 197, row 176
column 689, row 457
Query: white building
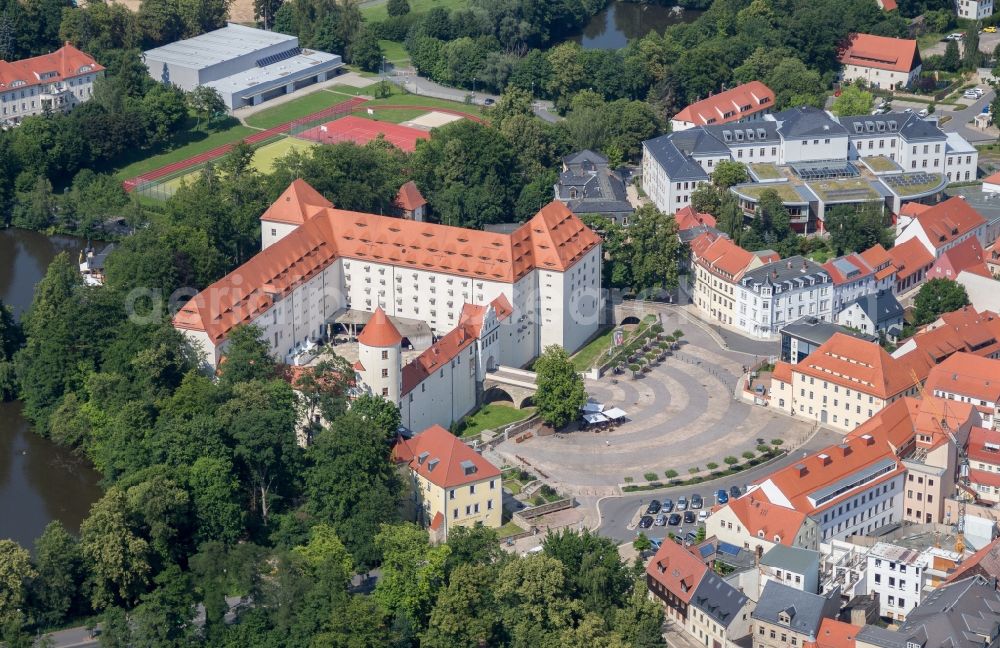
column 746, row 102
column 779, row 293
column 57, row 81
column 903, row 577
column 880, row 61
column 505, row 297
column 246, row 65
column 974, row 9
column 944, row 226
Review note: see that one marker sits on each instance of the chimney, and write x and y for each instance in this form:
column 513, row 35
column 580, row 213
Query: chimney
column 801, row 468
column 774, row 274
column 825, row 459
column 805, row 265
column 845, row 449
column 789, row 262
column 868, row 439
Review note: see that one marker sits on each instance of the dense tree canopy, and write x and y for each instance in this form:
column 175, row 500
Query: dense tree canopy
column 560, row 392
column 938, row 296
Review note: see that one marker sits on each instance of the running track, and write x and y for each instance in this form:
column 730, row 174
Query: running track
column 340, row 109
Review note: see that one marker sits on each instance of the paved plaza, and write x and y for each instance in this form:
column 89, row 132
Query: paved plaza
column 682, row 414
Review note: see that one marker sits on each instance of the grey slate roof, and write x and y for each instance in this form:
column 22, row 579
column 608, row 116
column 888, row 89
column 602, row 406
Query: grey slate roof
column 806, row 610
column 807, row 121
column 755, row 132
column 883, row 307
column 583, row 157
column 963, row 614
column 793, row 559
column 676, row 164
column 718, row 599
column 589, row 186
column 816, row 331
column 787, row 271
column 699, row 141
column 908, row 124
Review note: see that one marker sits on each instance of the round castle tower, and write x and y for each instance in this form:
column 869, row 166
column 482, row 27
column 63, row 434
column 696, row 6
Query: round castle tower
column 381, row 356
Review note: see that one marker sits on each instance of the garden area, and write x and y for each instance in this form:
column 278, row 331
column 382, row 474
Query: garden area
column 733, row 465
column 648, row 346
column 492, row 416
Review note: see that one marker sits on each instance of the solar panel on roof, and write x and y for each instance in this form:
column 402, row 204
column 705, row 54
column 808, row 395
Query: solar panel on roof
column 280, row 56
column 726, row 548
column 706, row 551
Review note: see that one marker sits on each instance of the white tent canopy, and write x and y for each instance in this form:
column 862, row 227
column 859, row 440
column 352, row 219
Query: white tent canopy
column 593, row 407
column 614, row 413
column 595, row 418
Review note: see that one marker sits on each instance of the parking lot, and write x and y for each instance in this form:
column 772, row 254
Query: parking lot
column 659, row 517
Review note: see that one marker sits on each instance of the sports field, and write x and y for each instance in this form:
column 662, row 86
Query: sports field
column 263, row 161
column 361, row 131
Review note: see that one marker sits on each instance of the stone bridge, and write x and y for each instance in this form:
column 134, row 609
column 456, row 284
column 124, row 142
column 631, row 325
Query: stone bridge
column 510, row 384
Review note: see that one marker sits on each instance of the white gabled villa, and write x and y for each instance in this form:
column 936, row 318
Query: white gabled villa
column 487, row 299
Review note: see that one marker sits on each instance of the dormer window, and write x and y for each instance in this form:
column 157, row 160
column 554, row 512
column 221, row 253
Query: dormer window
column 16, row 83
column 84, row 69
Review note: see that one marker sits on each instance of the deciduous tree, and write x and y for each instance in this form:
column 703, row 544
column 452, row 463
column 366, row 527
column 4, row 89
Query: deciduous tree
column 853, row 101
column 936, row 297
column 560, row 392
column 16, row 573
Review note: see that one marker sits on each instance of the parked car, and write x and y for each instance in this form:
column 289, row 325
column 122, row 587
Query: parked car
column 661, row 520
column 923, row 112
column 668, row 505
column 970, row 94
column 646, row 522
column 721, row 497
column 990, row 30
column 696, row 501
column 488, row 102
column 653, row 508
column 674, row 519
column 689, row 538
column 957, row 36
column 979, row 92
column 689, row 517
column 702, row 516
column 682, row 503
column 734, row 492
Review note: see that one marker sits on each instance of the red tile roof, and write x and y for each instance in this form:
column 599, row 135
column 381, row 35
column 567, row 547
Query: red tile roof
column 986, row 561
column 967, row 255
column 782, row 371
column 979, row 437
column 948, row 220
column 724, row 258
column 961, row 330
column 296, row 204
column 701, row 243
column 984, row 477
column 880, row 261
column 861, row 365
column 759, row 515
column 886, row 5
column 443, row 462
column 967, row 374
column 882, row 52
column 912, row 209
column 677, row 569
column 992, row 179
column 65, row 63
column 833, row 633
column 741, row 101
column 861, row 269
column 687, row 218
column 909, row 257
column 554, row 239
column 379, row 331
column 409, row 197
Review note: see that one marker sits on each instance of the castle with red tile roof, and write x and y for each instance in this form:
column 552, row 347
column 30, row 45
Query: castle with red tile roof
column 57, row 81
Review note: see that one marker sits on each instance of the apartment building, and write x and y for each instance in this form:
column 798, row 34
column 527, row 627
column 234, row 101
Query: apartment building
column 967, row 256
column 845, row 382
column 781, row 292
column 746, row 102
column 969, row 378
column 880, row 61
column 945, row 226
column 451, row 484
column 718, row 265
column 57, row 82
column 757, row 525
column 878, row 314
column 802, row 337
column 710, row 610
column 984, row 464
column 903, row 577
column 912, row 262
column 792, row 566
column 786, row 616
column 974, row 10
column 968, row 330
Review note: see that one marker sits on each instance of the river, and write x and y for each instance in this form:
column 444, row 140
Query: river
column 39, row 481
column 620, row 22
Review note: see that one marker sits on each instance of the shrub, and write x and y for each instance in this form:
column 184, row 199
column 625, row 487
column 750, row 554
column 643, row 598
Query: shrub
column 777, row 442
column 628, row 480
column 547, row 491
column 670, row 474
column 650, row 476
column 763, row 448
column 711, row 465
column 731, row 460
column 748, row 455
column 694, row 470
column 537, row 500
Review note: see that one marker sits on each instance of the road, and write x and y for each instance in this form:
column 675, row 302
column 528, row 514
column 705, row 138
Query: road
column 618, row 512
column 408, row 79
column 959, row 122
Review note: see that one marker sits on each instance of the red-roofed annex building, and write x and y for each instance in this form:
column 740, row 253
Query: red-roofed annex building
column 881, row 61
column 743, row 103
column 59, row 81
column 945, row 226
column 489, row 299
column 451, row 484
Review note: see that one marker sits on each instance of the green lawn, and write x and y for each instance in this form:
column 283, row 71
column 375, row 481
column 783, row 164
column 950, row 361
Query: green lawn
column 368, row 91
column 394, row 52
column 373, row 10
column 784, row 189
column 395, row 116
column 492, row 416
column 265, row 156
column 880, row 163
column 295, row 109
column 765, row 171
column 187, row 143
column 585, row 357
column 509, row 529
column 418, row 100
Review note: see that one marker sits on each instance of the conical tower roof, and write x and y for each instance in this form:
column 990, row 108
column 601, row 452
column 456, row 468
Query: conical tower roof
column 379, row 331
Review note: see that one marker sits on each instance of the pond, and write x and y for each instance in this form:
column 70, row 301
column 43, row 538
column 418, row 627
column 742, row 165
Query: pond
column 39, row 480
column 620, row 22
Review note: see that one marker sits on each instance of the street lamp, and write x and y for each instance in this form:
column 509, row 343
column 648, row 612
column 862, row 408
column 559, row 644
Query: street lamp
column 473, row 85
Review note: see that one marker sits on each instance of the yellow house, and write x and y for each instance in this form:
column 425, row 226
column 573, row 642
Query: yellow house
column 452, row 484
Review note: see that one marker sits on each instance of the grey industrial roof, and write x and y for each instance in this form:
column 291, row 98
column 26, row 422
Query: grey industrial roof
column 289, row 68
column 217, row 46
column 806, row 610
column 718, row 599
column 676, row 164
column 963, row 614
column 984, row 202
column 786, row 270
column 817, row 331
column 807, row 121
column 879, row 307
column 794, row 559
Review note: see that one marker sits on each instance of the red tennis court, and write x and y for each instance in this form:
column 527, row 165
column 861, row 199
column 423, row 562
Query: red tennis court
column 361, row 131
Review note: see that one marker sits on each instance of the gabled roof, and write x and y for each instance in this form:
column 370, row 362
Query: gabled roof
column 759, row 516
column 687, row 218
column 67, row 62
column 993, row 178
column 913, row 209
column 881, row 52
column 409, row 197
column 966, row 256
column 443, row 459
column 718, row 599
column 880, row 307
column 984, row 445
column 833, row 633
column 886, row 5
column 966, row 374
column 677, row 164
column 740, row 101
column 806, row 610
column 948, row 220
column 961, row 330
column 807, row 121
column 379, row 331
column 678, row 570
column 961, row 614
column 723, row 257
column 909, row 257
column 849, row 268
column 985, row 562
column 296, row 204
column 861, row 365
